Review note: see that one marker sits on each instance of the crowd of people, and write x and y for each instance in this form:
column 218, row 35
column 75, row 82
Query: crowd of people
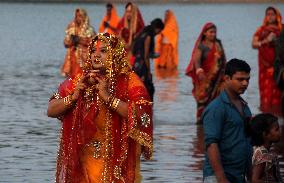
column 105, row 103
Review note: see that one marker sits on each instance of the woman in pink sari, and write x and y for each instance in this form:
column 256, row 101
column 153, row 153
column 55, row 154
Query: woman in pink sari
column 206, row 67
column 264, row 40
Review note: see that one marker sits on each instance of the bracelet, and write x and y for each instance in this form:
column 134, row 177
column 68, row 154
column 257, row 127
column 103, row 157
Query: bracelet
column 68, row 101
column 112, row 102
column 199, row 70
column 116, row 104
column 109, row 101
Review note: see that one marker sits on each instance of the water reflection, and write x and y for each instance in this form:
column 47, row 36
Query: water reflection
column 167, row 82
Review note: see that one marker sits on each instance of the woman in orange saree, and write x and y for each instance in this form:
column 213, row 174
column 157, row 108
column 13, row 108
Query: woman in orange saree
column 130, row 25
column 110, row 20
column 264, row 40
column 167, row 43
column 106, row 118
column 206, row 67
column 78, row 35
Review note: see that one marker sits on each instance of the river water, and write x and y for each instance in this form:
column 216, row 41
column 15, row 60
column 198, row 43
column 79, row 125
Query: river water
column 32, row 52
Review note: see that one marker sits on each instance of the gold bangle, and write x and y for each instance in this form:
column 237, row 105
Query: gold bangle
column 116, row 104
column 110, row 101
column 68, row 101
column 113, row 103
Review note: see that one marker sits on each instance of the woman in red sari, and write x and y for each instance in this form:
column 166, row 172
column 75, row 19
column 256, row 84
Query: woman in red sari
column 264, row 40
column 130, row 24
column 206, row 67
column 110, row 20
column 78, row 35
column 106, row 118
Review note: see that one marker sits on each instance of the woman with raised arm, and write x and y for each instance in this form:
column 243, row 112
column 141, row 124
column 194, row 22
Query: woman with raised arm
column 106, row 117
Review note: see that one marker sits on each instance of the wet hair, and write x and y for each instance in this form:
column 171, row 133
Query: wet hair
column 236, row 65
column 158, row 23
column 128, row 4
column 270, row 8
column 109, row 5
column 259, row 125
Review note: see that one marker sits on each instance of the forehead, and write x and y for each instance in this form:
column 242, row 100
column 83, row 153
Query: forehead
column 129, row 8
column 99, row 45
column 213, row 29
column 270, row 12
column 241, row 74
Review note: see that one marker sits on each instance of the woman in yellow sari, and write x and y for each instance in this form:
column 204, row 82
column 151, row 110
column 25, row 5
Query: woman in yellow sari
column 167, row 43
column 106, row 118
column 110, row 20
column 78, row 35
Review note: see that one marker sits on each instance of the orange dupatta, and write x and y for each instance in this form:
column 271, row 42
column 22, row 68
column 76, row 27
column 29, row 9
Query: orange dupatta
column 170, row 33
column 113, row 21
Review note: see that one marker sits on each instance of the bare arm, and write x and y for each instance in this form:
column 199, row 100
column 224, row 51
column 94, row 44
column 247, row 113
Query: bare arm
column 196, row 57
column 257, row 173
column 214, row 159
column 256, row 43
column 57, row 108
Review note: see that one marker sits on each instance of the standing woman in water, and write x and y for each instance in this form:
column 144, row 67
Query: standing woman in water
column 206, row 67
column 78, row 35
column 106, row 117
column 264, row 40
column 167, row 43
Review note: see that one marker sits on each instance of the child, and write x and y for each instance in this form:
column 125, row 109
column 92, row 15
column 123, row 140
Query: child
column 265, row 166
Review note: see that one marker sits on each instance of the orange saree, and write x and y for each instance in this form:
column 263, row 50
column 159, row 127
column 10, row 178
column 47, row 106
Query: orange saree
column 167, row 43
column 270, row 94
column 97, row 145
column 76, row 54
column 113, row 21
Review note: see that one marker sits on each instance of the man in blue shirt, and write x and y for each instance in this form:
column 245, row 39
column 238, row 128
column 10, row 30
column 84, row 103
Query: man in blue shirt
column 228, row 151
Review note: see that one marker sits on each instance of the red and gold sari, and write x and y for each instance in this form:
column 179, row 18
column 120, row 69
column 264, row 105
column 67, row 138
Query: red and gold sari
column 112, row 21
column 75, row 56
column 212, row 62
column 98, row 145
column 167, row 43
column 270, row 94
column 128, row 31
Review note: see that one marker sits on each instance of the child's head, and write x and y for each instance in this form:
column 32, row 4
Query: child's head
column 264, row 127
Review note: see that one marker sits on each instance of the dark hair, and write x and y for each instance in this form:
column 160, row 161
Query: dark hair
column 236, row 65
column 270, row 8
column 158, row 23
column 260, row 124
column 109, row 5
column 128, row 4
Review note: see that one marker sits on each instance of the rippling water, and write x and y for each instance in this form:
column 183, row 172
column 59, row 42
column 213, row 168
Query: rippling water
column 30, row 57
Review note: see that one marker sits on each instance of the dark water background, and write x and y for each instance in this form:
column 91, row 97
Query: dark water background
column 32, row 51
